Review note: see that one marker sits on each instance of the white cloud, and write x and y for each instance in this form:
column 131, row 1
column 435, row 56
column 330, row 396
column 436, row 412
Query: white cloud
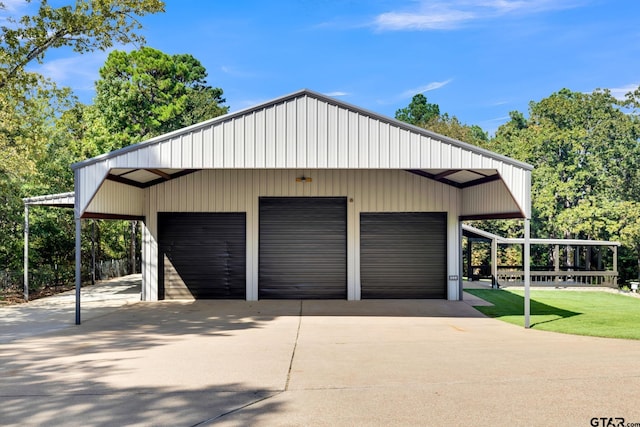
column 431, row 20
column 426, row 88
column 492, row 125
column 497, row 119
column 78, row 72
column 14, row 5
column 13, row 9
column 441, row 15
column 337, row 93
column 235, row 72
column 620, row 92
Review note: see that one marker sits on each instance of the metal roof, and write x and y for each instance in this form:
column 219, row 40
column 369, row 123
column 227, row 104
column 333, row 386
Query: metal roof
column 62, row 200
column 475, row 232
column 307, row 130
column 297, row 94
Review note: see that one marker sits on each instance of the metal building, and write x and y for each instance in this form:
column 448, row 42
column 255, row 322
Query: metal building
column 302, row 197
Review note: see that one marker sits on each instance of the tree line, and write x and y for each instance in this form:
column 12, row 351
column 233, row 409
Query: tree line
column 45, row 128
column 585, row 147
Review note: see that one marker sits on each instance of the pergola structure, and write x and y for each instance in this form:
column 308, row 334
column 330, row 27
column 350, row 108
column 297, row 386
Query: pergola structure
column 578, row 275
column 62, row 200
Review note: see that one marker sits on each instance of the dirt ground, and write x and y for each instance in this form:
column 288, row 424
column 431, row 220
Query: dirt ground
column 12, row 296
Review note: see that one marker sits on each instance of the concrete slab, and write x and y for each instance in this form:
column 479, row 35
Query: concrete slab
column 58, row 312
column 290, row 363
column 475, row 301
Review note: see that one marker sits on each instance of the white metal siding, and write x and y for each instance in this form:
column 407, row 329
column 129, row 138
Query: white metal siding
column 116, row 198
column 239, row 190
column 487, row 199
column 300, row 132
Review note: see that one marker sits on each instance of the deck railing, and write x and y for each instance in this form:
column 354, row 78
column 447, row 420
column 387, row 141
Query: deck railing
column 559, row 278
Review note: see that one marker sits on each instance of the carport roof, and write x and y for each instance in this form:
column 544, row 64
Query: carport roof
column 61, row 200
column 308, row 130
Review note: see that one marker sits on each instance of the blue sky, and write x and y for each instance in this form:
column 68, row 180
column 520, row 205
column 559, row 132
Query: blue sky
column 477, row 59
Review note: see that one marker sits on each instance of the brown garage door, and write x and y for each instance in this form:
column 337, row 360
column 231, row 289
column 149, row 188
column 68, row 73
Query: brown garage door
column 303, row 248
column 403, row 255
column 202, row 255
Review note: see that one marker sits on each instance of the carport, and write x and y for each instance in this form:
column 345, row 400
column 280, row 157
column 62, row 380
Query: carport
column 301, row 197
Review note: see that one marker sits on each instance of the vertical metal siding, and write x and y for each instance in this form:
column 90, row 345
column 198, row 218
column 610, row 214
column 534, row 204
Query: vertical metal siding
column 228, row 144
column 215, row 136
column 248, row 142
column 321, row 134
column 373, row 142
column 241, row 157
column 280, row 135
column 305, row 144
column 343, row 138
column 363, row 141
column 302, row 132
column 239, row 190
column 487, row 198
column 198, row 149
column 352, row 142
column 116, row 198
column 290, row 125
column 186, row 141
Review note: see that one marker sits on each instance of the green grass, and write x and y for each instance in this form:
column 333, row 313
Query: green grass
column 598, row 314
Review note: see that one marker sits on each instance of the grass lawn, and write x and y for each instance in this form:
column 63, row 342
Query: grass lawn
column 598, row 314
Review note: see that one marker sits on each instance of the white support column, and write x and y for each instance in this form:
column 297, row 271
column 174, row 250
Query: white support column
column 26, row 252
column 353, row 249
column 526, row 258
column 494, row 262
column 78, row 269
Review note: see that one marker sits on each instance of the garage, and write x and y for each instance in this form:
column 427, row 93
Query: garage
column 403, row 255
column 301, row 197
column 303, row 248
column 202, row 255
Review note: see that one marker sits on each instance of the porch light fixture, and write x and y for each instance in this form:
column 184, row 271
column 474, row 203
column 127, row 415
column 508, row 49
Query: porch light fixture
column 303, row 179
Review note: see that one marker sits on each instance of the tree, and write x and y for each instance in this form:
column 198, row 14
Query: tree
column 628, row 230
column 10, row 222
column 419, row 112
column 146, row 92
column 583, row 148
column 33, row 152
column 452, row 127
column 586, row 152
column 30, row 102
column 89, row 25
column 426, row 115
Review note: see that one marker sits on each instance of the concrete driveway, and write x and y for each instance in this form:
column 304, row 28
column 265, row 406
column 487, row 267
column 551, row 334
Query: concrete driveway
column 290, row 363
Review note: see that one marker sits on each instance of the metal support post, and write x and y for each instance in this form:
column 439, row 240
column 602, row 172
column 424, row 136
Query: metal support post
column 527, row 272
column 494, row 263
column 78, row 269
column 26, row 252
column 469, row 268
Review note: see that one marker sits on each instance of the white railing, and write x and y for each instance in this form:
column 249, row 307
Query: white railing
column 559, row 278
